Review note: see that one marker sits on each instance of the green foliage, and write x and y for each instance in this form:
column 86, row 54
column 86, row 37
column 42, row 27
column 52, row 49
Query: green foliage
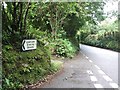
column 105, row 36
column 54, row 25
column 21, row 68
column 72, row 25
column 64, row 48
column 24, row 68
column 42, row 37
column 55, row 65
column 14, row 25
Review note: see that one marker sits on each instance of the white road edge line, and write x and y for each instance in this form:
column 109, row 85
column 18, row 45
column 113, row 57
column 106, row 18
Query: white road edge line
column 71, row 66
column 90, row 61
column 89, row 72
column 98, row 86
column 83, row 54
column 97, row 67
column 86, row 57
column 101, row 72
column 93, row 78
column 113, row 85
column 107, row 78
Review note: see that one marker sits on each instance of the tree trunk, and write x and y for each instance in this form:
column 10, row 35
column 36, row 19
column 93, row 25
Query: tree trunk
column 20, row 17
column 26, row 13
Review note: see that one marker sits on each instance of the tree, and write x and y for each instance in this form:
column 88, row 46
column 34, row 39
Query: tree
column 14, row 17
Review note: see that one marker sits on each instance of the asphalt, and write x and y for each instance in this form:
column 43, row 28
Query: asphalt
column 107, row 60
column 81, row 72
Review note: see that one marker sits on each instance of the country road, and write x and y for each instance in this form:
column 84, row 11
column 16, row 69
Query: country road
column 91, row 68
column 107, row 60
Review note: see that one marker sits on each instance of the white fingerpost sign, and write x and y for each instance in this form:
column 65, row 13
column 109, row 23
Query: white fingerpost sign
column 29, row 44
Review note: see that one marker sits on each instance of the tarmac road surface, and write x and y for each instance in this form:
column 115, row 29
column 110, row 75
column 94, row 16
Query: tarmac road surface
column 91, row 68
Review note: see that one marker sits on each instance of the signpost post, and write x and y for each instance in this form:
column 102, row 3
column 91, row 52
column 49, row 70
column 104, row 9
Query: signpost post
column 29, row 44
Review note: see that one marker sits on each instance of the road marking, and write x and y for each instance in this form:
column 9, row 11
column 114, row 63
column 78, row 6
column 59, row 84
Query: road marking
column 97, row 67
column 93, row 78
column 98, row 86
column 89, row 72
column 71, row 66
column 86, row 57
column 107, row 78
column 101, row 72
column 90, row 61
column 113, row 85
column 82, row 53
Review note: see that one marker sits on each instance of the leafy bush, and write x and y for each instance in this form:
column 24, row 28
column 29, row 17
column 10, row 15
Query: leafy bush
column 21, row 68
column 63, row 48
column 105, row 35
column 112, row 44
column 42, row 37
column 24, row 68
column 107, row 42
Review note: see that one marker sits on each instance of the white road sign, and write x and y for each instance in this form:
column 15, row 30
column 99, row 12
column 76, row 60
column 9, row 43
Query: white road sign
column 29, row 44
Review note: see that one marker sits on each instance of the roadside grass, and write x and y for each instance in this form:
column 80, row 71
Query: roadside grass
column 55, row 68
column 56, row 65
column 26, row 68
